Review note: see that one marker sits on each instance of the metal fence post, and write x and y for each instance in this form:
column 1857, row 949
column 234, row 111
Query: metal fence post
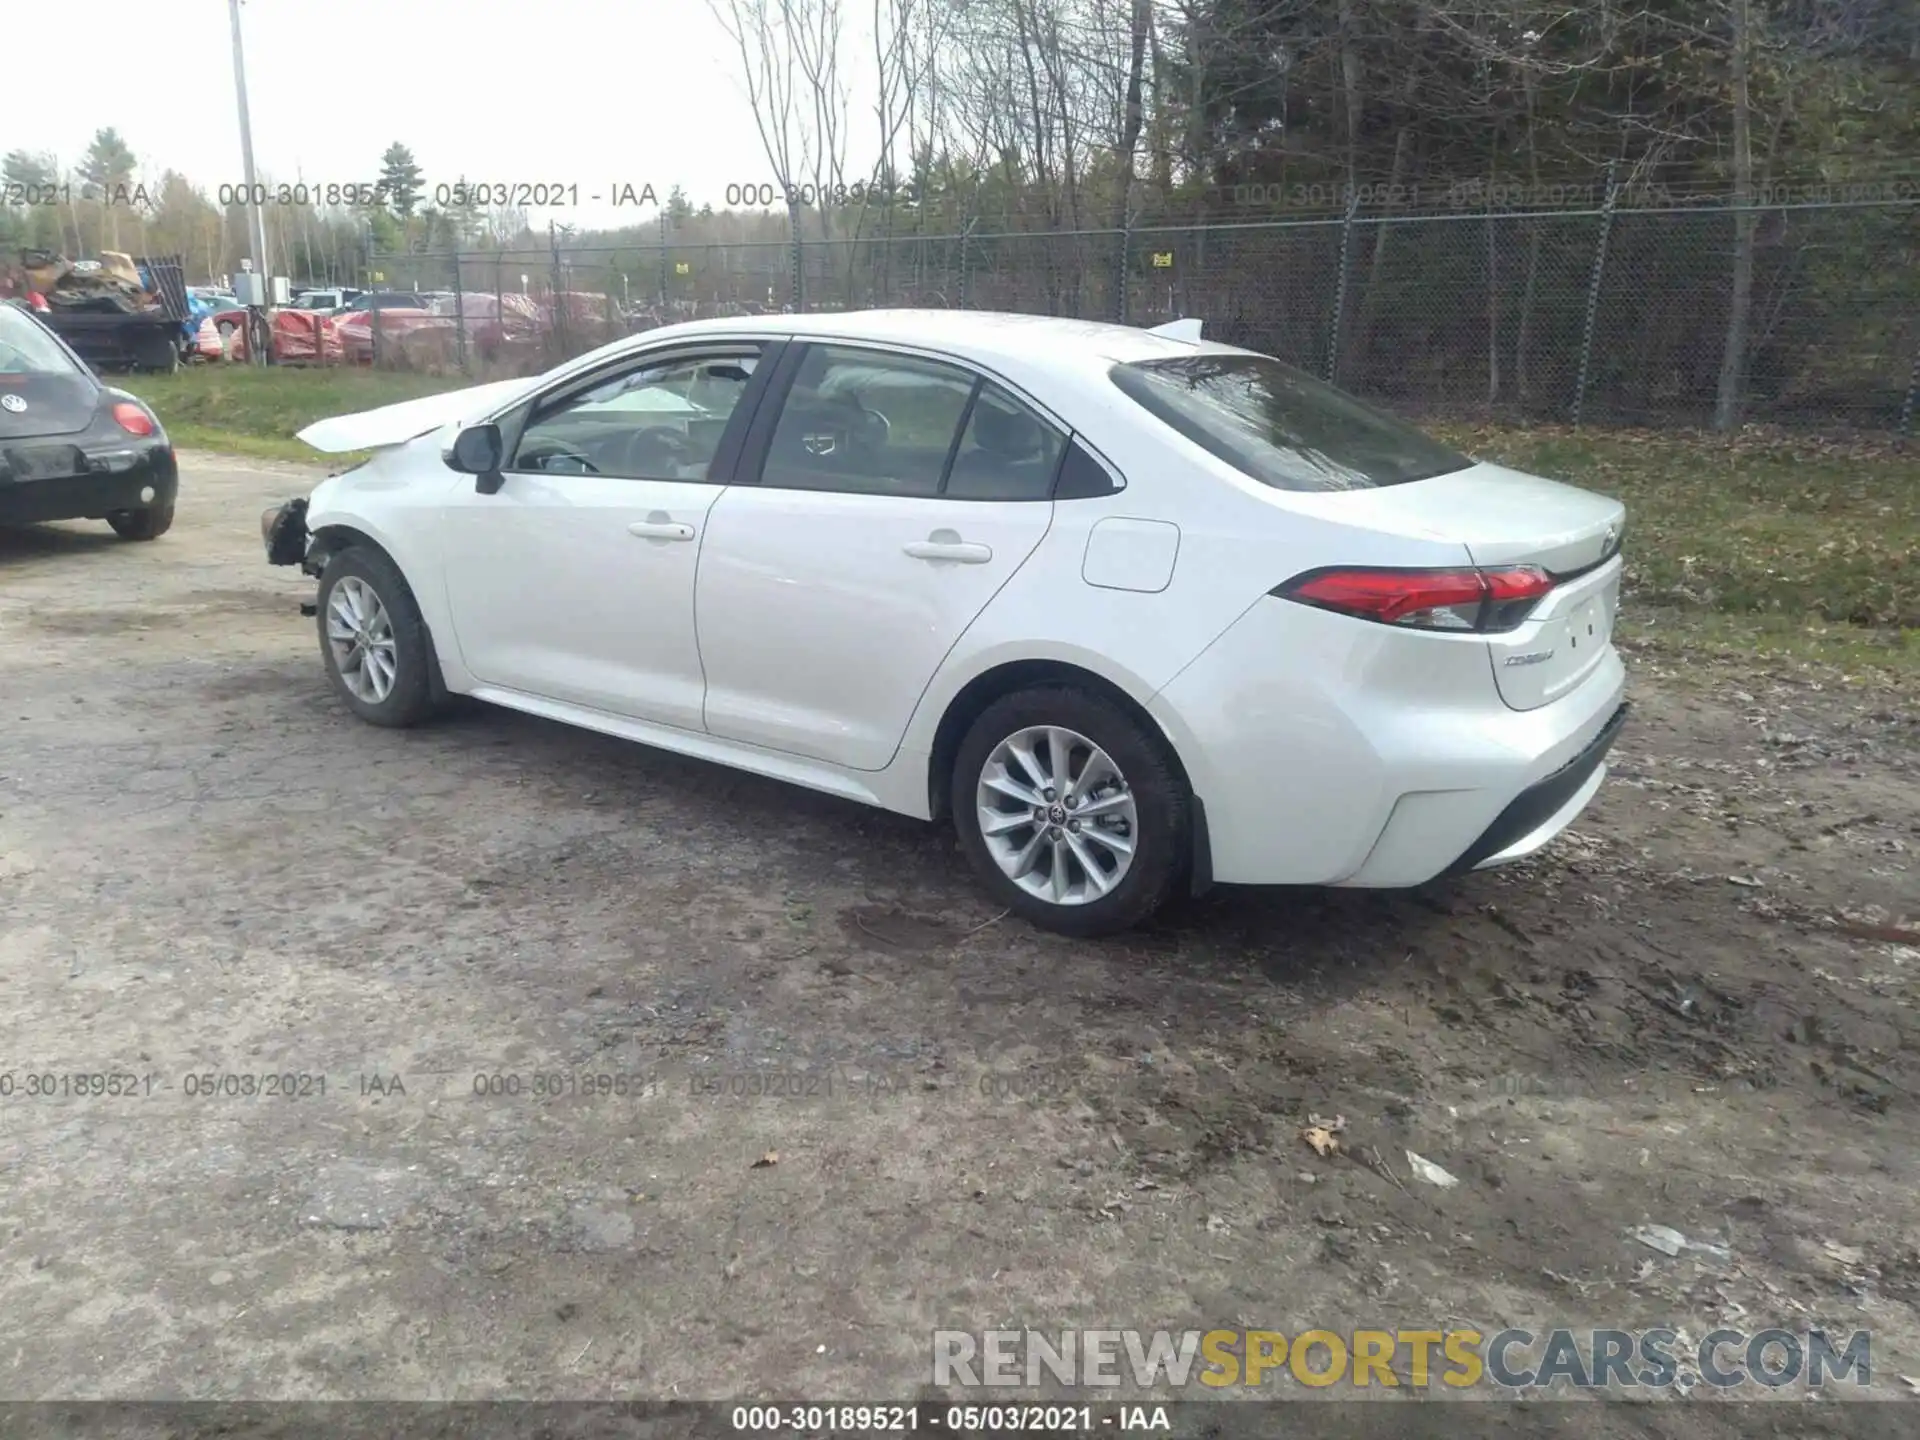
column 1123, row 267
column 1340, row 290
column 798, row 261
column 1913, row 394
column 966, row 264
column 663, row 266
column 557, row 307
column 460, row 316
column 1593, row 292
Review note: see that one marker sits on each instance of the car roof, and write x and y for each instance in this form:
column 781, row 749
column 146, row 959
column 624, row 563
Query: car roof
column 986, row 336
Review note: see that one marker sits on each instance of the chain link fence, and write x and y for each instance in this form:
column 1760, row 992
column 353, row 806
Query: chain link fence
column 1601, row 313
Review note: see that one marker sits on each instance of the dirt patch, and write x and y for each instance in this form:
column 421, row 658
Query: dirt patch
column 457, row 1049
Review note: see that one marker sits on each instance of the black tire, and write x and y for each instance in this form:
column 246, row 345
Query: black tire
column 1163, row 839
column 148, row 524
column 417, row 688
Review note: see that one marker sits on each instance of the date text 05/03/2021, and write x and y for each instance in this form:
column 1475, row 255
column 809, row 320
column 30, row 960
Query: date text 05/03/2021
column 538, row 194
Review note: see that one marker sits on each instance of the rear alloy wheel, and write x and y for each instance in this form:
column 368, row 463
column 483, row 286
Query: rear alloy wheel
column 375, row 644
column 1072, row 811
column 149, row 524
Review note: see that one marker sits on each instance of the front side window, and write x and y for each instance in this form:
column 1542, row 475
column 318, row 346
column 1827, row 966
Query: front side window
column 656, row 422
column 1281, row 426
column 27, row 349
column 866, row 422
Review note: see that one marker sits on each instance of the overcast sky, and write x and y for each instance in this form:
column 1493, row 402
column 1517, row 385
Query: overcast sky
column 587, row 92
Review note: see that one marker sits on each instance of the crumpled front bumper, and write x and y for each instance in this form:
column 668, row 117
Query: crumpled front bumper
column 284, row 531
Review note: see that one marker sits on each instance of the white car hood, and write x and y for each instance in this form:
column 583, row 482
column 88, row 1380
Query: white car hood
column 397, row 424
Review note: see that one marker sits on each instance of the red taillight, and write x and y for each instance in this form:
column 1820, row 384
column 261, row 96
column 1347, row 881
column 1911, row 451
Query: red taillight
column 132, row 419
column 1480, row 600
column 37, row 301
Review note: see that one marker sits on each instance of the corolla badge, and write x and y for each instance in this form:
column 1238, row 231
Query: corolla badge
column 1538, row 657
column 13, row 403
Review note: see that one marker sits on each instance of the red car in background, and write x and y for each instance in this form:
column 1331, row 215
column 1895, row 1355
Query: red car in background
column 293, row 337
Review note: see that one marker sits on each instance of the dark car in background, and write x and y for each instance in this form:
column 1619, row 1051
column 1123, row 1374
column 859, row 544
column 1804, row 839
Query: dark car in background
column 384, row 300
column 73, row 448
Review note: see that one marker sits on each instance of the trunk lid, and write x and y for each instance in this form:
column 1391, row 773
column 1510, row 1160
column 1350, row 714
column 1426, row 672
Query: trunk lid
column 1507, row 517
column 38, row 404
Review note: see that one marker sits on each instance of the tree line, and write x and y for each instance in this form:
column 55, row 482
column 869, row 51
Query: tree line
column 1087, row 114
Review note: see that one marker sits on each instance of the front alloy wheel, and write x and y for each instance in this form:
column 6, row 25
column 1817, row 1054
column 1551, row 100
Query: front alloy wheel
column 374, row 642
column 1057, row 815
column 360, row 632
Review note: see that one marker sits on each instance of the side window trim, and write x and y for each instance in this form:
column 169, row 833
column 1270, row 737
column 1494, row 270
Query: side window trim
column 757, row 437
column 959, row 434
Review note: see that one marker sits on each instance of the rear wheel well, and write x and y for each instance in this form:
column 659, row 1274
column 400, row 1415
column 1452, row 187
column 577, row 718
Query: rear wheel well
column 981, row 691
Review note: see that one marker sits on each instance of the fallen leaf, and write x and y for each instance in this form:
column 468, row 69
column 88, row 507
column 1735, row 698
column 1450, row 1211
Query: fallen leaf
column 771, row 1158
column 1321, row 1139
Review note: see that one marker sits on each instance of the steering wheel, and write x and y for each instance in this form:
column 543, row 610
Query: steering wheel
column 867, row 431
column 552, row 450
column 658, row 447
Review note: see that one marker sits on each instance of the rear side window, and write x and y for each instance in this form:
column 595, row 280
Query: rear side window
column 868, row 423
column 1281, row 426
column 1005, row 453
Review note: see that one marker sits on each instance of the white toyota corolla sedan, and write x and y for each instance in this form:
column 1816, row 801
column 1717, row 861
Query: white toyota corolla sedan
column 1138, row 611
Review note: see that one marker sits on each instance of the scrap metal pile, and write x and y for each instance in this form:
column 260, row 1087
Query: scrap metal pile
column 110, row 285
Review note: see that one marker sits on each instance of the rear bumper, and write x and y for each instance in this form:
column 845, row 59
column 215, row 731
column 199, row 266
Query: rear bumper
column 92, row 496
column 1330, row 752
column 1543, row 810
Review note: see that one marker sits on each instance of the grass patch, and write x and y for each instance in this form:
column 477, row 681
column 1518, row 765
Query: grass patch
column 1789, row 547
column 1783, row 546
column 249, row 410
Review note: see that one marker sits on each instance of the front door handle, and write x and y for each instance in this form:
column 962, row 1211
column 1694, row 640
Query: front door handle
column 947, row 545
column 659, row 526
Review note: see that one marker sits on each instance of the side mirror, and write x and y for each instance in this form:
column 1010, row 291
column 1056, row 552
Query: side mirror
column 479, row 451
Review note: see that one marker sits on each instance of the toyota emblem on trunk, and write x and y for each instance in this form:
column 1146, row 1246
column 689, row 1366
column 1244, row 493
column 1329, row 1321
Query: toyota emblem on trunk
column 13, row 403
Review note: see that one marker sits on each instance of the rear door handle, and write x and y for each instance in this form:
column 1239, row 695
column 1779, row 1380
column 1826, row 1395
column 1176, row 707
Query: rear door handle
column 955, row 549
column 659, row 527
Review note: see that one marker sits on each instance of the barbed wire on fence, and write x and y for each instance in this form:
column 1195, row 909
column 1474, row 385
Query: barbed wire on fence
column 1614, row 312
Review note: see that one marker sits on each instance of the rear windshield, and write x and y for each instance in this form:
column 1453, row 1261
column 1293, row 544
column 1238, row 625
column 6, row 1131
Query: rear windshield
column 1281, row 426
column 27, row 349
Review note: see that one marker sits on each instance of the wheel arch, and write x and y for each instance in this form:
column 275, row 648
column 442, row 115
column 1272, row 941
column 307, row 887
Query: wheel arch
column 972, row 699
column 329, row 540
column 336, row 537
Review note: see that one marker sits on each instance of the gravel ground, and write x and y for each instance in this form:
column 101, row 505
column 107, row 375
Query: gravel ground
column 844, row 1104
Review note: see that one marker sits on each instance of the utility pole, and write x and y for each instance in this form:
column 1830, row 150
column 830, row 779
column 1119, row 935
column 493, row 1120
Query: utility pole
column 258, row 239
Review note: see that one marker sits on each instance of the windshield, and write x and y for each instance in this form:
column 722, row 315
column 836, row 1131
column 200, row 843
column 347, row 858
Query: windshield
column 1281, row 426
column 27, row 349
